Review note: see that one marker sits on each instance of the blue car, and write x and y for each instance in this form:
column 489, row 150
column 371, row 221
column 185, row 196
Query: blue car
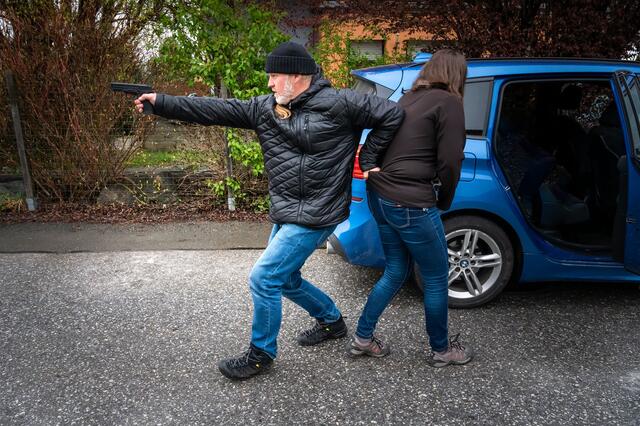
column 550, row 184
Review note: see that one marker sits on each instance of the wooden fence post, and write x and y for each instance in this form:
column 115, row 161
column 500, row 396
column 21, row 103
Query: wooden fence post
column 231, row 200
column 17, row 128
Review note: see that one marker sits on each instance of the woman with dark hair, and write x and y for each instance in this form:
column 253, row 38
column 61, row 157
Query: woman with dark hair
column 417, row 179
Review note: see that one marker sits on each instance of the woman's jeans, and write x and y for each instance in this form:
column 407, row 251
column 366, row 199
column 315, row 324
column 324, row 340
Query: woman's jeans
column 277, row 274
column 408, row 234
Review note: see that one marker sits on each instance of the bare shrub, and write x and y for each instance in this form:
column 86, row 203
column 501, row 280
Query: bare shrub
column 63, row 55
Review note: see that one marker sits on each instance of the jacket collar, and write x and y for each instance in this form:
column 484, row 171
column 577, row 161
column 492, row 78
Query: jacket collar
column 318, row 82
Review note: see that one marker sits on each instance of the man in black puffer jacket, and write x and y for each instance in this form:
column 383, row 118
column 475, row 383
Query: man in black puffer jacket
column 308, row 133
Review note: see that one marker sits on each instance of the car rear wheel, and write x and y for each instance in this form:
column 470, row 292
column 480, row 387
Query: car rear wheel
column 481, row 261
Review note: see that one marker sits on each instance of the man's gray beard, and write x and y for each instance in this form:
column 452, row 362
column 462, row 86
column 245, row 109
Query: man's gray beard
column 283, row 99
column 287, row 94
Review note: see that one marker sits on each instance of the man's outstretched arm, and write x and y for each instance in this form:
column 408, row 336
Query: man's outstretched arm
column 202, row 110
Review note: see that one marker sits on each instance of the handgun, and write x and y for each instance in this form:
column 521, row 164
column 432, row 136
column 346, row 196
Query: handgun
column 135, row 89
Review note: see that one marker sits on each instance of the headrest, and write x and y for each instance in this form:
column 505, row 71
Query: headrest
column 570, row 97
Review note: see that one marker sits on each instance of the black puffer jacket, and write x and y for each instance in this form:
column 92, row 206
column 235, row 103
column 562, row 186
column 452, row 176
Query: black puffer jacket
column 308, row 157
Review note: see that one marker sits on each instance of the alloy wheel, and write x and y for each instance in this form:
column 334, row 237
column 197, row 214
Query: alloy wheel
column 475, row 263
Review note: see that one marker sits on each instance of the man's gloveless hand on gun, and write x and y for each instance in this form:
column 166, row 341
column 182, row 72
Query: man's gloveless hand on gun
column 146, row 97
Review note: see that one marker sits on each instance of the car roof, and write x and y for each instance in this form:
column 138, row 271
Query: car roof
column 493, row 67
column 522, row 66
column 392, row 75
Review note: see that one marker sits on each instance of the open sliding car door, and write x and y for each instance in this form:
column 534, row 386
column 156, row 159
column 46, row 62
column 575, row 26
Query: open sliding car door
column 628, row 85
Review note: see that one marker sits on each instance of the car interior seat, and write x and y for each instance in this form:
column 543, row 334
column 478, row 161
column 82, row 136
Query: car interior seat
column 558, row 207
column 571, row 147
column 553, row 179
column 606, row 147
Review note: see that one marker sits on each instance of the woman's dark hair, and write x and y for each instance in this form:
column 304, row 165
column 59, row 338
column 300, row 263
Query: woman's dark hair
column 445, row 68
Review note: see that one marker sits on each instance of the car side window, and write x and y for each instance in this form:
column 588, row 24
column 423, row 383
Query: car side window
column 477, row 99
column 370, row 88
column 631, row 95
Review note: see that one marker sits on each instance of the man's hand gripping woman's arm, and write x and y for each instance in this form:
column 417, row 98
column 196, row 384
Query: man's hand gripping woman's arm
column 383, row 117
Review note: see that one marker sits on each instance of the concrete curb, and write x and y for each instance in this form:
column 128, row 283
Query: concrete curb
column 85, row 237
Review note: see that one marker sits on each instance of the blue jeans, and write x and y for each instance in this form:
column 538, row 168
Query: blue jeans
column 277, row 274
column 408, row 234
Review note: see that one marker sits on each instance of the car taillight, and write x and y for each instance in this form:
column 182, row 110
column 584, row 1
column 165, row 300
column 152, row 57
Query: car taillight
column 357, row 171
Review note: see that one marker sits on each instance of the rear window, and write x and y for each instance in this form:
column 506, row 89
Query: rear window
column 477, row 98
column 369, row 88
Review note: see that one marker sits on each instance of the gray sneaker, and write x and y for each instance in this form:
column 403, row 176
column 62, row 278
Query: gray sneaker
column 455, row 354
column 374, row 348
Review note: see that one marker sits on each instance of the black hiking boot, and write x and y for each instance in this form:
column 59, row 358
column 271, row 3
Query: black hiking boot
column 322, row 331
column 253, row 361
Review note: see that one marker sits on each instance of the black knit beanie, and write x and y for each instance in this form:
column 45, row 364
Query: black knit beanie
column 290, row 58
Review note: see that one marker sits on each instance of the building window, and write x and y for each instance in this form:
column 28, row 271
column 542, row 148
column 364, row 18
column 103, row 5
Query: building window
column 416, row 46
column 370, row 49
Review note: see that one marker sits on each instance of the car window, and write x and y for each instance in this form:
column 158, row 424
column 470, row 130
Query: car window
column 369, row 88
column 477, row 98
column 633, row 87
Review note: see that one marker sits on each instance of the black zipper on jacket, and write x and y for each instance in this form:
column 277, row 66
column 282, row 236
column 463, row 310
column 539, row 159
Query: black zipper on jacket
column 301, row 178
column 305, row 129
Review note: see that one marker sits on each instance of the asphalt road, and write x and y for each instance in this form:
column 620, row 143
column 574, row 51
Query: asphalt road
column 133, row 338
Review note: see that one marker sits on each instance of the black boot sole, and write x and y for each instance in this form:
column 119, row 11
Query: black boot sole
column 232, row 375
column 338, row 335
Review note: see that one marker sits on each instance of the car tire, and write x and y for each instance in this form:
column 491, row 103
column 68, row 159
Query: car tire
column 475, row 278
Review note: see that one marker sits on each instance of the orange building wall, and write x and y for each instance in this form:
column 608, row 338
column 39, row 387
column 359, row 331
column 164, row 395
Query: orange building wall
column 358, row 32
